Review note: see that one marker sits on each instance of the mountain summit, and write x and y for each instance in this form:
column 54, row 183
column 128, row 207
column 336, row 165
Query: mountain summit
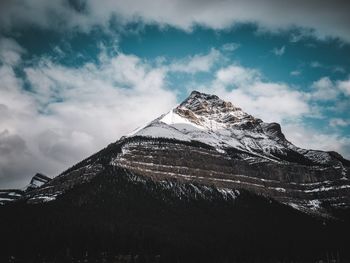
column 208, row 119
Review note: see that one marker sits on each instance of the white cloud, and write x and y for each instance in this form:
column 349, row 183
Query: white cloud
column 322, row 18
column 236, row 75
column 344, row 86
column 295, row 73
column 230, row 47
column 324, row 89
column 316, row 64
column 310, row 138
column 196, row 63
column 10, row 51
column 279, row 51
column 335, row 122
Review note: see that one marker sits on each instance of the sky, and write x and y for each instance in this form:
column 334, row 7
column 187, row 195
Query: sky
column 76, row 75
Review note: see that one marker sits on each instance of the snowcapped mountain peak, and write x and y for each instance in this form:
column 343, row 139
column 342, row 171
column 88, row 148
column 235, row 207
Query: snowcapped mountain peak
column 208, row 119
column 211, row 108
column 209, row 112
column 198, row 101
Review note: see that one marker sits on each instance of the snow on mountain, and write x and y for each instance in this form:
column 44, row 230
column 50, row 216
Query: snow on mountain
column 37, row 181
column 9, row 195
column 208, row 119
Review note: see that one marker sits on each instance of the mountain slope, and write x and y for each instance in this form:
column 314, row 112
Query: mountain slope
column 119, row 214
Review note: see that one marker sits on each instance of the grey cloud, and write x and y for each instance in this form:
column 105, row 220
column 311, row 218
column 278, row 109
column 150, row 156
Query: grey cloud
column 10, row 51
column 11, row 144
column 14, row 158
column 339, row 122
column 322, row 17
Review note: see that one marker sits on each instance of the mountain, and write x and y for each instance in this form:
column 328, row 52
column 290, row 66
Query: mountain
column 37, row 181
column 242, row 152
column 205, row 182
column 9, row 195
column 209, row 141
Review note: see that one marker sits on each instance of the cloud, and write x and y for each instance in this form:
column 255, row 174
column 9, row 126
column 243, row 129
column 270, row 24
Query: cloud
column 338, row 69
column 237, row 76
column 331, row 68
column 335, row 122
column 230, row 47
column 324, row 89
column 44, row 14
column 10, row 51
column 295, row 73
column 322, row 18
column 70, row 113
column 316, row 64
column 310, row 138
column 344, row 86
column 196, row 63
column 15, row 158
column 279, row 51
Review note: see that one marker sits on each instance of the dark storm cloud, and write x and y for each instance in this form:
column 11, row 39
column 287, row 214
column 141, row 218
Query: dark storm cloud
column 323, row 18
